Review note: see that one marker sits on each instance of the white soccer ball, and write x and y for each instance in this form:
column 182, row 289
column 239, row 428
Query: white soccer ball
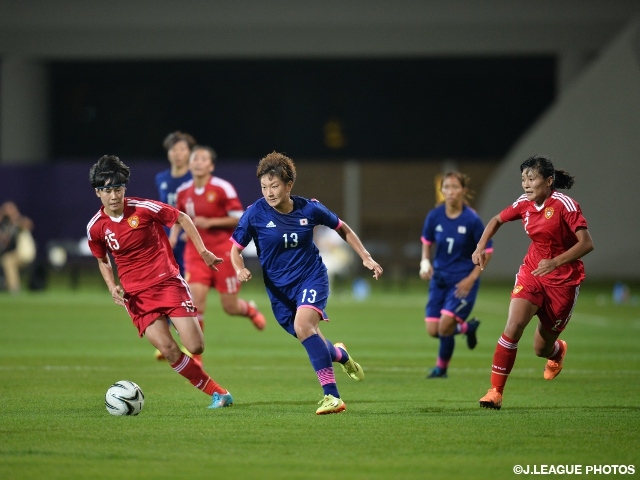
column 124, row 398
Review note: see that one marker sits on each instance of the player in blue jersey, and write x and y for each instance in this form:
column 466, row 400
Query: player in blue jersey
column 178, row 146
column 455, row 229
column 281, row 225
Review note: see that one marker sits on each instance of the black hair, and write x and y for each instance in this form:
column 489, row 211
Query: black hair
column 109, row 170
column 212, row 152
column 542, row 164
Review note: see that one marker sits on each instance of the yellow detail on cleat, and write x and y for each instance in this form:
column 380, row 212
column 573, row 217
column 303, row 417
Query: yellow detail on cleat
column 351, row 368
column 330, row 404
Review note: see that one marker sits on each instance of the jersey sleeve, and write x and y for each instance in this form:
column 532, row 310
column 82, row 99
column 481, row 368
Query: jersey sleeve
column 242, row 236
column 512, row 212
column 166, row 215
column 96, row 243
column 428, row 236
column 574, row 219
column 324, row 216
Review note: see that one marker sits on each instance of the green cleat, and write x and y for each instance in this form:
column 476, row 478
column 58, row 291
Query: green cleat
column 330, row 404
column 351, row 368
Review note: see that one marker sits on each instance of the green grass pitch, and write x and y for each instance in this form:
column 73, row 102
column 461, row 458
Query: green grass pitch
column 61, row 349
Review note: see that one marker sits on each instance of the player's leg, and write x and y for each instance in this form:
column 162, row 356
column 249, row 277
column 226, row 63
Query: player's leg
column 199, row 293
column 462, row 312
column 233, row 305
column 193, row 339
column 446, row 331
column 521, row 311
column 306, row 323
column 339, row 353
column 554, row 317
column 228, row 286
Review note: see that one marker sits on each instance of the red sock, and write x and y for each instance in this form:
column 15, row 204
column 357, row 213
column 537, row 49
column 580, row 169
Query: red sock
column 558, row 350
column 245, row 308
column 503, row 360
column 193, row 372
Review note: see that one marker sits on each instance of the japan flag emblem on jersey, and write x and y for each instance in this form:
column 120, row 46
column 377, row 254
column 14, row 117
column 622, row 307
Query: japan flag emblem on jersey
column 548, row 212
column 133, row 221
column 304, row 221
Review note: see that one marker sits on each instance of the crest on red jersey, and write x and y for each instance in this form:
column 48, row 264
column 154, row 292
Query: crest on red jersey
column 517, row 289
column 133, row 221
column 548, row 212
column 211, row 196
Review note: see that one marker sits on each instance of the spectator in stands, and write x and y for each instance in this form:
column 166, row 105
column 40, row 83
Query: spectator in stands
column 17, row 247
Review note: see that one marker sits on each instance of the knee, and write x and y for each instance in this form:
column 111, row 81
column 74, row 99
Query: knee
column 432, row 329
column 196, row 348
column 170, row 351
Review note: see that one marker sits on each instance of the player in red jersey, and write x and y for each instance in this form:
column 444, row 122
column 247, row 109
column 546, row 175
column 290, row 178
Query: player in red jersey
column 214, row 206
column 151, row 288
column 548, row 282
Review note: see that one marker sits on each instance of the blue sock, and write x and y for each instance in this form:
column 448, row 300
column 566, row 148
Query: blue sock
column 335, row 352
column 446, row 348
column 321, row 362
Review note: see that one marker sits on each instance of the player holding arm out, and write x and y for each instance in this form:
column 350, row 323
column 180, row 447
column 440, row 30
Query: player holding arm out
column 151, row 287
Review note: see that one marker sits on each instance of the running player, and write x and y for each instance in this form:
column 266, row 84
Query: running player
column 151, row 288
column 548, row 282
column 281, row 225
column 455, row 228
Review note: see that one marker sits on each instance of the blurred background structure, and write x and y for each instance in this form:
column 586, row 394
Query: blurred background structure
column 372, row 100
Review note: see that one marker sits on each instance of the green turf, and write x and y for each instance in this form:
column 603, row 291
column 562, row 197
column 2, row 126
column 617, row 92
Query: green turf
column 61, row 349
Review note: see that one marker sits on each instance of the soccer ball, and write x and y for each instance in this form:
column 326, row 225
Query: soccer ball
column 124, row 398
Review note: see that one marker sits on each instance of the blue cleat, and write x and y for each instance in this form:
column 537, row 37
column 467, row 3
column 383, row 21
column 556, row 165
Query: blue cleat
column 438, row 372
column 221, row 400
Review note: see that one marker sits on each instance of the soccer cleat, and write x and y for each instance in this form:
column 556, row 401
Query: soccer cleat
column 493, row 399
column 351, row 367
column 330, row 404
column 158, row 355
column 472, row 328
column 553, row 368
column 438, row 372
column 220, row 400
column 256, row 317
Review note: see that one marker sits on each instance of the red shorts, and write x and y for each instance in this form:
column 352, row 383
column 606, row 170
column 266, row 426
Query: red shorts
column 171, row 297
column 224, row 280
column 555, row 304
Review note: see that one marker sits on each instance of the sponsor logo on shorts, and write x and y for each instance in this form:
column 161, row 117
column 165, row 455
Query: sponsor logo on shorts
column 517, row 289
column 133, row 221
column 548, row 212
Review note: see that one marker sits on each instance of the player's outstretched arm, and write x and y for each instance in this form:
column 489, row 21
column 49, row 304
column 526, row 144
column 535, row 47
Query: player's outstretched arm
column 352, row 239
column 192, row 232
column 479, row 256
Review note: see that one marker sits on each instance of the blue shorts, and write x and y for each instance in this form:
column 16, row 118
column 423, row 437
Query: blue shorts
column 312, row 293
column 442, row 299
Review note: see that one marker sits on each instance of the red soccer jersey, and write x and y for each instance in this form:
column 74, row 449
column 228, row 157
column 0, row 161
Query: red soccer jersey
column 552, row 230
column 218, row 198
column 137, row 241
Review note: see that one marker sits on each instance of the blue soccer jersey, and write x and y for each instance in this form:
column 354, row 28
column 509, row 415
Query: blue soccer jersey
column 284, row 242
column 167, row 187
column 455, row 239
